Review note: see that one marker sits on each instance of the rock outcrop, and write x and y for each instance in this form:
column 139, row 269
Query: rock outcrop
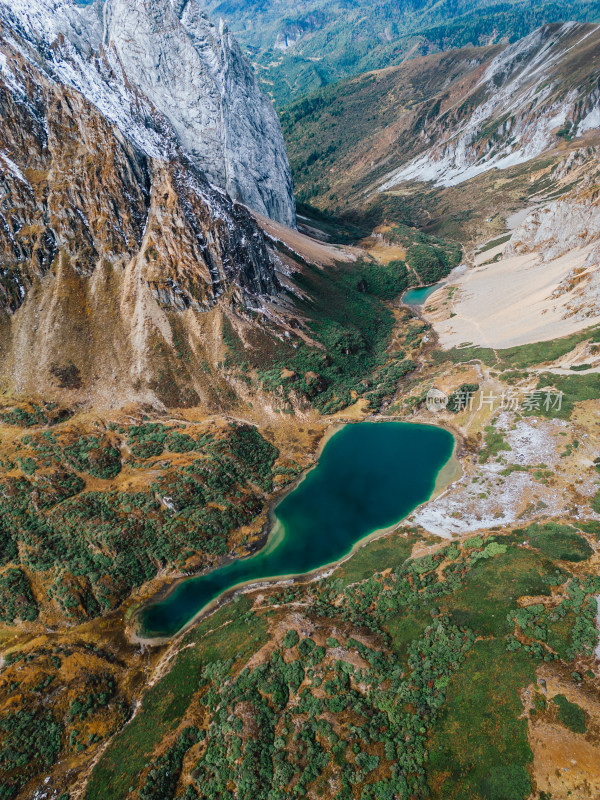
column 169, row 79
column 537, row 90
column 197, row 77
column 118, row 255
column 569, row 225
column 571, row 222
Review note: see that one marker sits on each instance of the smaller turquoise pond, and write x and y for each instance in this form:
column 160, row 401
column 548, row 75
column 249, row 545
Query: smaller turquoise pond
column 416, row 297
column 369, row 476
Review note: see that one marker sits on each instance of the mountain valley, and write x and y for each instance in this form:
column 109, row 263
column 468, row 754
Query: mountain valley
column 298, row 50
column 187, row 320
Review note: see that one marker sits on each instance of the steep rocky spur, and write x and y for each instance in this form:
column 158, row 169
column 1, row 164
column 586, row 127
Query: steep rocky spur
column 134, row 59
column 111, row 240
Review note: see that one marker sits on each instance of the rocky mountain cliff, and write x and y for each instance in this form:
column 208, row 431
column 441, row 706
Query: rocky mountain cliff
column 112, row 236
column 195, row 74
column 447, row 118
column 143, row 59
column 544, row 86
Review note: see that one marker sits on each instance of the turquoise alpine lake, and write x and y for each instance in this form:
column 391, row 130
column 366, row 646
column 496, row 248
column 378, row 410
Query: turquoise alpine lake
column 369, row 476
column 416, row 297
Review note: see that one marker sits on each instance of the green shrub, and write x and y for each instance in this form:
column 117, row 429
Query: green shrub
column 29, row 743
column 570, row 714
column 95, row 456
column 16, row 599
column 495, row 443
column 507, row 782
column 558, row 541
column 429, row 262
column 386, row 281
column 291, row 639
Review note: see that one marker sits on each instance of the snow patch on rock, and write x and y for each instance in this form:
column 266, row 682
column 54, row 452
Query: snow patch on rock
column 170, row 80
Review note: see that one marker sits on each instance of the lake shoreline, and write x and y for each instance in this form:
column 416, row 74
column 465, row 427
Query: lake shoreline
column 433, row 287
column 262, row 540
column 447, row 475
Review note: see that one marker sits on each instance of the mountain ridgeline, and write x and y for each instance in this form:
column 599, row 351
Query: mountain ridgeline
column 122, row 193
column 300, row 48
column 447, row 119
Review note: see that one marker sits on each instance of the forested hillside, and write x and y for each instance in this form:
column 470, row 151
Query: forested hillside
column 299, row 48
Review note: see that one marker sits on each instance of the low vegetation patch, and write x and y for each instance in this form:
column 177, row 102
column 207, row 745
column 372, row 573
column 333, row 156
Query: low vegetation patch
column 409, row 686
column 495, row 443
column 570, row 714
column 90, row 548
column 573, row 388
column 351, row 326
column 557, row 541
column 522, row 357
column 56, row 702
column 480, row 746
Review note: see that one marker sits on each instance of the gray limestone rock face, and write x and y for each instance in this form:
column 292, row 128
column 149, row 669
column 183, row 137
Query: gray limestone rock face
column 196, row 76
column 174, row 83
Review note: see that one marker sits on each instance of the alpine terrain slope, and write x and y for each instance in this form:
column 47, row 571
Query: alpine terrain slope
column 300, row 48
column 393, row 383
column 446, row 118
column 111, row 219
